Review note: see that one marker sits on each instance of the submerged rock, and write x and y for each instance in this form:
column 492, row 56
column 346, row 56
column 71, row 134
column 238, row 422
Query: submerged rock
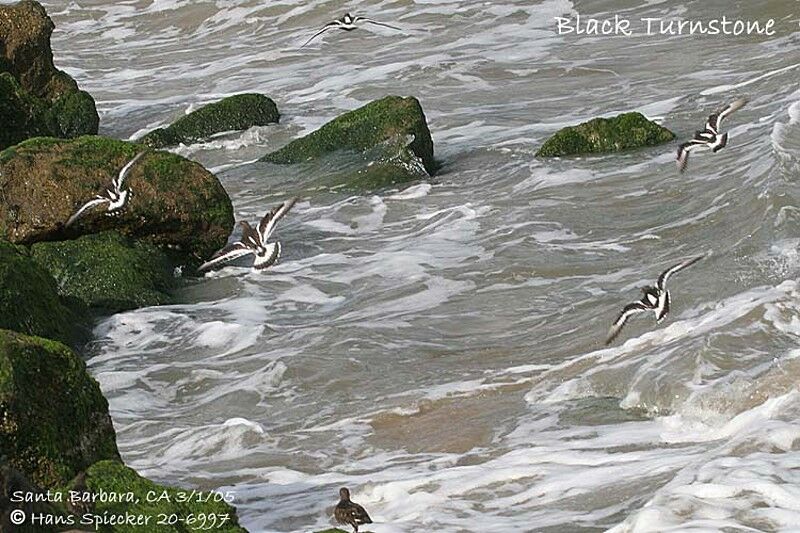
column 30, row 301
column 54, row 420
column 383, row 125
column 604, row 135
column 238, row 112
column 175, row 202
column 35, row 97
column 108, row 271
column 150, row 500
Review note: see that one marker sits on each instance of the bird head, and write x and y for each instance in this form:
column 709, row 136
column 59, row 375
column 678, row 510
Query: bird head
column 344, row 494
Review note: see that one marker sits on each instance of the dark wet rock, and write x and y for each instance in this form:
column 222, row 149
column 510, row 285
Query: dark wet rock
column 392, row 125
column 44, row 100
column 13, row 483
column 113, row 477
column 605, row 135
column 175, row 202
column 30, row 302
column 108, row 272
column 54, row 420
column 238, row 112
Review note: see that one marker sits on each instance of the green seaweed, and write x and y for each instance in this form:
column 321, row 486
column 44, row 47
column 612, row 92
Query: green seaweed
column 30, row 301
column 363, row 129
column 54, row 420
column 238, row 112
column 601, row 135
column 108, row 271
column 153, row 502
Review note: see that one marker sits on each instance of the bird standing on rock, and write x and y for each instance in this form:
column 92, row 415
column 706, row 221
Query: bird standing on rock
column 350, row 513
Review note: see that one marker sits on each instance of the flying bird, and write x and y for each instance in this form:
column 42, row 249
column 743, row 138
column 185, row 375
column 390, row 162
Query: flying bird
column 115, row 198
column 254, row 241
column 350, row 513
column 656, row 299
column 711, row 138
column 348, row 23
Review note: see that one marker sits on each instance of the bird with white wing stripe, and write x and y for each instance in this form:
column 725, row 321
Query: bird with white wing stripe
column 348, row 23
column 115, row 198
column 656, row 299
column 711, row 137
column 254, row 241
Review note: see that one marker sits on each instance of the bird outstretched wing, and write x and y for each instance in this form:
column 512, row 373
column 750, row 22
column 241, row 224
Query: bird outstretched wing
column 120, row 180
column 684, row 150
column 230, row 253
column 84, row 208
column 267, row 224
column 328, row 26
column 662, row 279
column 376, row 23
column 629, row 310
column 715, row 119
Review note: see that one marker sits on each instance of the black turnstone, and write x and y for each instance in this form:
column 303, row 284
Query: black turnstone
column 656, row 299
column 254, row 241
column 350, row 513
column 348, row 23
column 711, row 137
column 115, row 199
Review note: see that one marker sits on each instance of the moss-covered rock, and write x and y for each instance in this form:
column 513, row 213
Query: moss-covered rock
column 363, row 129
column 208, row 511
column 54, row 420
column 108, row 271
column 46, row 101
column 604, row 135
column 238, row 112
column 174, row 202
column 388, row 164
column 30, row 301
column 22, row 116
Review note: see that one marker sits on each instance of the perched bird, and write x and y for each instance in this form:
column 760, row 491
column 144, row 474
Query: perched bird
column 350, row 513
column 348, row 23
column 115, row 199
column 656, row 299
column 254, row 241
column 711, row 137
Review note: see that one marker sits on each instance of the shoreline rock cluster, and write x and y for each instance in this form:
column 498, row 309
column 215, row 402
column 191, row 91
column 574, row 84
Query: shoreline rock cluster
column 56, row 433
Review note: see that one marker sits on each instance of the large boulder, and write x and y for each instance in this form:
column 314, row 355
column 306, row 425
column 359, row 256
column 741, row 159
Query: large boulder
column 45, row 100
column 390, row 122
column 605, row 135
column 54, row 420
column 175, row 202
column 30, row 301
column 108, row 271
column 238, row 112
column 209, row 511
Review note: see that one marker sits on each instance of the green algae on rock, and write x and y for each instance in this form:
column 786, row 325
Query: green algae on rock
column 30, row 301
column 363, row 129
column 108, row 271
column 45, row 100
column 193, row 510
column 54, row 420
column 175, row 202
column 238, row 112
column 605, row 135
